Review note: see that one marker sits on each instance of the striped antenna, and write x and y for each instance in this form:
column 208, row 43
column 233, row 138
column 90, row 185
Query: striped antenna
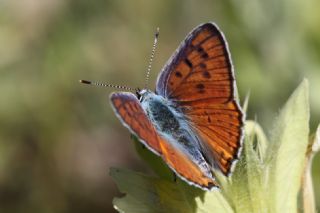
column 151, row 57
column 106, row 85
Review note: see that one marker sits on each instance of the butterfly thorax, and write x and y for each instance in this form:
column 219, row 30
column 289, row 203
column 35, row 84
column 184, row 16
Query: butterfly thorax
column 168, row 121
column 161, row 113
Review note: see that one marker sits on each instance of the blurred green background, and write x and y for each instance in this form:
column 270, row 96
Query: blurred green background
column 58, row 138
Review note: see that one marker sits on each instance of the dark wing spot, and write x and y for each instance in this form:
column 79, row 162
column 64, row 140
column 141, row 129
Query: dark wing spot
column 200, row 86
column 209, row 119
column 178, row 74
column 205, row 55
column 206, row 74
column 203, row 65
column 188, row 62
column 202, row 53
column 200, row 50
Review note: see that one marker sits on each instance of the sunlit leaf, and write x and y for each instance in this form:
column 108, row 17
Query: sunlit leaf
column 260, row 140
column 286, row 152
column 246, row 103
column 316, row 141
column 307, row 193
column 244, row 189
column 151, row 194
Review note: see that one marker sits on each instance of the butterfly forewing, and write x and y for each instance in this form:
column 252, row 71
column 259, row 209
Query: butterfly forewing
column 199, row 79
column 199, row 70
column 130, row 112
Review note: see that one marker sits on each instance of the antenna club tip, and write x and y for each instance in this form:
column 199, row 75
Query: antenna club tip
column 84, row 82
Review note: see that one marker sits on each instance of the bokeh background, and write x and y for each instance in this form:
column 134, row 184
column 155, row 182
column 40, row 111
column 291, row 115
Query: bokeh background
column 58, row 138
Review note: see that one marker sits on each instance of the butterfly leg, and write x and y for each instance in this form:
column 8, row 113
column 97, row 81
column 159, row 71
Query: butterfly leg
column 174, row 177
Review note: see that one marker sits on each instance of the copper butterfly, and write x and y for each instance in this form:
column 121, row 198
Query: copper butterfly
column 192, row 119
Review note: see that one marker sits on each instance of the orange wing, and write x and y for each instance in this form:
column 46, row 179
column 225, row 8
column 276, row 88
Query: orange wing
column 184, row 167
column 199, row 70
column 220, row 130
column 128, row 109
column 199, row 79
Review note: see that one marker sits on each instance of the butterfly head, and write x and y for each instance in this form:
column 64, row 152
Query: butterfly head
column 144, row 94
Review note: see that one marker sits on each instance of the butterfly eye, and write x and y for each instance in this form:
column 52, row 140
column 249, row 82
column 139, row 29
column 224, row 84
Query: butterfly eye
column 138, row 94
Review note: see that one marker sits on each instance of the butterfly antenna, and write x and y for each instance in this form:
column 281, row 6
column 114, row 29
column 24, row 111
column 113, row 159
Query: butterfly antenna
column 151, row 57
column 106, row 85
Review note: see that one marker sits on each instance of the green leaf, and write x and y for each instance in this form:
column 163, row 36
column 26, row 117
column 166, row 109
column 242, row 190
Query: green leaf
column 152, row 194
column 246, row 103
column 259, row 138
column 286, row 153
column 245, row 188
column 307, row 194
column 316, row 142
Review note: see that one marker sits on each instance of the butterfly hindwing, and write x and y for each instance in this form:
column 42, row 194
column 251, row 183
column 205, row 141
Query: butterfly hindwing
column 199, row 79
column 184, row 167
column 220, row 130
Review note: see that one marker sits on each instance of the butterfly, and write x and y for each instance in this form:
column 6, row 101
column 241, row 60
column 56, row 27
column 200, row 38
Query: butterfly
column 192, row 120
